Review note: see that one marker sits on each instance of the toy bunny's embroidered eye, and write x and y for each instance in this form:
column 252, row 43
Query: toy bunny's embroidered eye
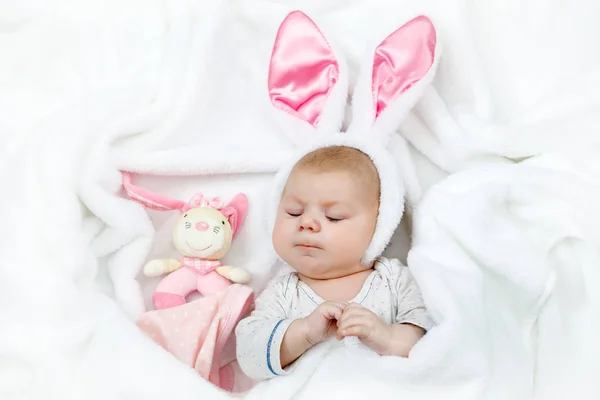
column 223, row 222
column 184, row 215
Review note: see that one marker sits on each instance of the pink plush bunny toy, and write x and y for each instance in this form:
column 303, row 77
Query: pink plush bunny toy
column 203, row 235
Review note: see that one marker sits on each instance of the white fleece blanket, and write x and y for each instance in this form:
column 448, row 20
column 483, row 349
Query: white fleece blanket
column 175, row 88
column 527, row 235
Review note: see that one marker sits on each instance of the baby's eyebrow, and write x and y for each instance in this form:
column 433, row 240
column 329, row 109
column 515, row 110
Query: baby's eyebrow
column 293, row 197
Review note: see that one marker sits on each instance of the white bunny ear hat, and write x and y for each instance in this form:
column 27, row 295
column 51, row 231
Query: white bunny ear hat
column 308, row 86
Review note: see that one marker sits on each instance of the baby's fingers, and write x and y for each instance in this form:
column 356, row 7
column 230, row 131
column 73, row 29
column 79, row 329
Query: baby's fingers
column 347, row 323
column 356, row 311
column 333, row 310
column 360, row 331
column 355, row 306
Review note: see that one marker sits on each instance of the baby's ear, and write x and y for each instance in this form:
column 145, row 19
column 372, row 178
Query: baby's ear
column 307, row 82
column 392, row 81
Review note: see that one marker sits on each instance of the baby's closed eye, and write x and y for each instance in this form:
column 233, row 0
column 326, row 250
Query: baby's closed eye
column 335, row 214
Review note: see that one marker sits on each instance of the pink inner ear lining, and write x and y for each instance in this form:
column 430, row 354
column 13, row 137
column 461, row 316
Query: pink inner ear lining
column 401, row 60
column 235, row 212
column 234, row 219
column 303, row 69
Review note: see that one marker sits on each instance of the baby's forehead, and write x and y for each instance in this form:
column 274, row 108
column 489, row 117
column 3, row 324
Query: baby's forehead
column 330, row 187
column 311, row 176
column 355, row 169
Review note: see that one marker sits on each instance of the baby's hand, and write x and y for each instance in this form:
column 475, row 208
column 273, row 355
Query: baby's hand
column 321, row 323
column 367, row 326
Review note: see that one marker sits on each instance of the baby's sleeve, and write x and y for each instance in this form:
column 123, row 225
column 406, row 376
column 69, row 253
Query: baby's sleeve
column 259, row 336
column 410, row 305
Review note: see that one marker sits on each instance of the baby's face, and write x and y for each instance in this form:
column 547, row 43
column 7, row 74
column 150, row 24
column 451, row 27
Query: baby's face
column 325, row 222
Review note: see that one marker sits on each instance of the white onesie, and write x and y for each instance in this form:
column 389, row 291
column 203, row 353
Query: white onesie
column 390, row 291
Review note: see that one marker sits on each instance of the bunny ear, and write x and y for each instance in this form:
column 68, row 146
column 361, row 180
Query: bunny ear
column 393, row 80
column 235, row 212
column 149, row 199
column 306, row 81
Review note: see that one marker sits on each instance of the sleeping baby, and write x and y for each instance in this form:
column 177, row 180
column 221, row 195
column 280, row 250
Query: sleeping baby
column 328, row 217
column 338, row 201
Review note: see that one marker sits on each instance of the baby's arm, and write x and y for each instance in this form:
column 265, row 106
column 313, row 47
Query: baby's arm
column 295, row 343
column 259, row 337
column 404, row 338
column 412, row 319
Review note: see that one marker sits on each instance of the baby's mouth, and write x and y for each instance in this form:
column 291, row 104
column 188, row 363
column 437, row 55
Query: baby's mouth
column 307, row 246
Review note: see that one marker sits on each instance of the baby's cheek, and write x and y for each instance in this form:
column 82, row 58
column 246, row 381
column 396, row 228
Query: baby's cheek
column 280, row 238
column 352, row 243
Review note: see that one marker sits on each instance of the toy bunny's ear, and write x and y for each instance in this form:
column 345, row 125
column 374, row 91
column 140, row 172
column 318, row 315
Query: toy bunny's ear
column 306, row 80
column 394, row 79
column 149, row 199
column 235, row 211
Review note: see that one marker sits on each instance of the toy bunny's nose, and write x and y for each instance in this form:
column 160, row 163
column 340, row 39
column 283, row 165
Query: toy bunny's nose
column 202, row 226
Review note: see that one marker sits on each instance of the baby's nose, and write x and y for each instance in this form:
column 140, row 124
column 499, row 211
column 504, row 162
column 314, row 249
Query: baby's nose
column 202, row 226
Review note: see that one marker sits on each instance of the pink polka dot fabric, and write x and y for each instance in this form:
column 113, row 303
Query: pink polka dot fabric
column 200, row 334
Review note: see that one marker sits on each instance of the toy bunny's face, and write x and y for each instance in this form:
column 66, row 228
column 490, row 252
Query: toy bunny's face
column 203, row 232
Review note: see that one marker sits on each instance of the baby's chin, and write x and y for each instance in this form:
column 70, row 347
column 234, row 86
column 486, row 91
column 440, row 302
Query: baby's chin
column 318, row 271
column 311, row 267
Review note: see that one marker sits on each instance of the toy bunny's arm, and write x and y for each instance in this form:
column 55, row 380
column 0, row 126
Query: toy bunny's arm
column 161, row 266
column 234, row 274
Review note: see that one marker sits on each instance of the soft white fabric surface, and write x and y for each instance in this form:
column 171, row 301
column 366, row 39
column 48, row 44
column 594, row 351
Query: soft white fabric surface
column 175, row 89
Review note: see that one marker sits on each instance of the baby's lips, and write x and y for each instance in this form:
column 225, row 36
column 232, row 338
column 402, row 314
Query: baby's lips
column 309, row 245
